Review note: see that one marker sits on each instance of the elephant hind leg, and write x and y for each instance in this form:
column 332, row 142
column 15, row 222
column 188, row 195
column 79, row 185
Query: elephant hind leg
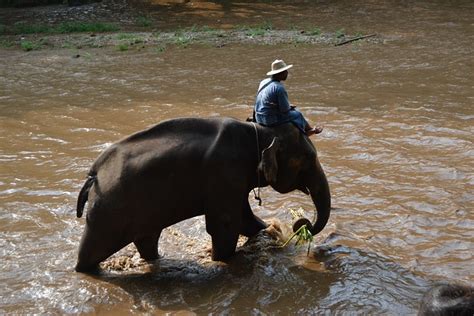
column 148, row 246
column 95, row 248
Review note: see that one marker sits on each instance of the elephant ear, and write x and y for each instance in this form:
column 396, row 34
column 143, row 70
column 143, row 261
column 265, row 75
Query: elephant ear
column 269, row 164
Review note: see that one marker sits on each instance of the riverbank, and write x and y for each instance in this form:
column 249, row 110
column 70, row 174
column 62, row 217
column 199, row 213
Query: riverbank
column 126, row 26
column 124, row 41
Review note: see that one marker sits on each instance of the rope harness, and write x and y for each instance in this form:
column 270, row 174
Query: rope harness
column 257, row 194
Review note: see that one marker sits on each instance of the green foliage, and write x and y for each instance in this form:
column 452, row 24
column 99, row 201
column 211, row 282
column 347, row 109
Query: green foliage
column 208, row 29
column 340, row 33
column 302, row 235
column 182, row 38
column 67, row 27
column 298, row 41
column 258, row 30
column 314, row 31
column 23, row 3
column 196, row 28
column 29, row 46
column 144, row 21
column 6, row 43
column 193, row 28
column 130, row 37
column 122, row 47
column 183, row 41
column 25, row 28
column 76, row 27
column 67, row 44
column 160, row 48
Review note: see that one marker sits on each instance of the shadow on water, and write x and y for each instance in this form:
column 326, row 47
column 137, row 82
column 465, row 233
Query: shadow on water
column 263, row 278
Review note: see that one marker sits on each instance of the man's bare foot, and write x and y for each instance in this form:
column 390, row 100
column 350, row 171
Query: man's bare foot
column 314, row 130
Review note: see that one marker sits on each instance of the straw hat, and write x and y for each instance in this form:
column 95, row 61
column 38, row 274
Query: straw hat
column 278, row 66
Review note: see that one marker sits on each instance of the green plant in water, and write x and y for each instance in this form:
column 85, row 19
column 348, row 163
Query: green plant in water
column 302, row 235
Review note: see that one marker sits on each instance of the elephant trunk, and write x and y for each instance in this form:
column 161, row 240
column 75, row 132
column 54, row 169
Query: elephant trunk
column 319, row 190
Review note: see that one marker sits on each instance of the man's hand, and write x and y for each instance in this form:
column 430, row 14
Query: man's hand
column 314, row 130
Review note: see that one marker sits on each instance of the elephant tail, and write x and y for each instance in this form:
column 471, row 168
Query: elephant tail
column 84, row 194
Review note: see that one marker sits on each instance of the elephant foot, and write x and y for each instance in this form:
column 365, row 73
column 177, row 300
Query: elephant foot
column 252, row 225
column 87, row 268
column 148, row 247
column 223, row 246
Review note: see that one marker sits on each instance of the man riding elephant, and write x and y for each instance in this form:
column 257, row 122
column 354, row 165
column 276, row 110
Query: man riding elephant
column 272, row 107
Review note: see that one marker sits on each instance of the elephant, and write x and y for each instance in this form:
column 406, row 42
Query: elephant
column 185, row 167
column 448, row 299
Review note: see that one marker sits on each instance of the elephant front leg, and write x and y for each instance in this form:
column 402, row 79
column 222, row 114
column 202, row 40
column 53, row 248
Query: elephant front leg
column 224, row 230
column 148, row 246
column 251, row 224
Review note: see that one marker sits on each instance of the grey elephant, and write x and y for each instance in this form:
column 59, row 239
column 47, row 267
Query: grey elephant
column 448, row 300
column 187, row 167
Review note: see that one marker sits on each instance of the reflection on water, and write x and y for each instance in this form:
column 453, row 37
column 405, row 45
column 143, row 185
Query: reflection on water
column 397, row 149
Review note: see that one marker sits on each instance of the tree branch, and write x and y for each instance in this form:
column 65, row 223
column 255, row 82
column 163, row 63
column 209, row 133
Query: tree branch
column 354, row 39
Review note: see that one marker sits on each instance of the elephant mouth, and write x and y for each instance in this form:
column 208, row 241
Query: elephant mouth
column 300, row 222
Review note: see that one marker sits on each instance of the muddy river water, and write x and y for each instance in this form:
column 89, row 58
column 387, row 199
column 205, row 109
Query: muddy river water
column 397, row 149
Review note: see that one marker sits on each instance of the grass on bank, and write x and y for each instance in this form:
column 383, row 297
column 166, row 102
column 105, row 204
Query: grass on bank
column 66, row 27
column 29, row 46
column 257, row 30
column 181, row 37
column 144, row 21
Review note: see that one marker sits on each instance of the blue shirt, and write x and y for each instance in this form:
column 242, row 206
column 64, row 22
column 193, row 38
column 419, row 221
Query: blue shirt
column 271, row 105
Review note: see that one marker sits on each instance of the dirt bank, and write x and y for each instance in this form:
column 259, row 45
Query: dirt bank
column 163, row 23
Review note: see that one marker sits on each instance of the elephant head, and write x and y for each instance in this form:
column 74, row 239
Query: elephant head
column 290, row 162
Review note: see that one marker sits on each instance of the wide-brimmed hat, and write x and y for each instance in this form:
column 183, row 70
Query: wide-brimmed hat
column 278, row 66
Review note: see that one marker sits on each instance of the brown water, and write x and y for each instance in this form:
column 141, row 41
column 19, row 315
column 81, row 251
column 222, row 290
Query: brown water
column 397, row 149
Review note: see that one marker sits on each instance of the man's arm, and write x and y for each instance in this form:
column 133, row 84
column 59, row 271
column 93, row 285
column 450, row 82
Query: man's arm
column 283, row 102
